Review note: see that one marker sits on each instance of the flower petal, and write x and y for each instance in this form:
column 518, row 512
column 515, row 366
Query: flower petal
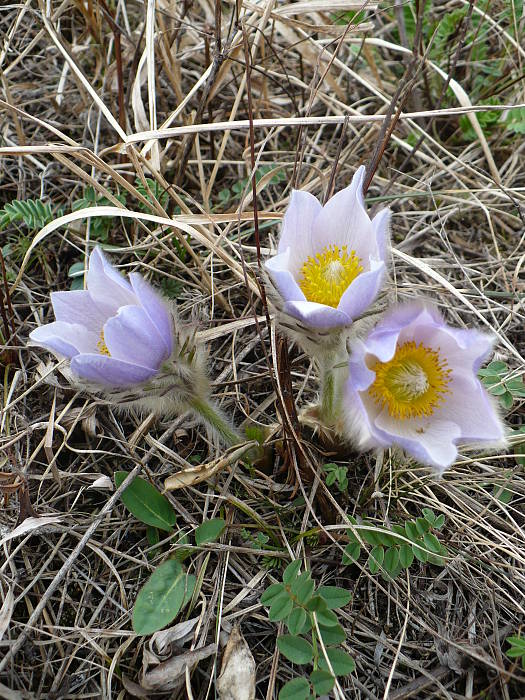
column 78, row 307
column 317, row 315
column 278, row 269
column 67, row 339
column 296, row 231
column 363, row 290
column 107, row 287
column 381, row 228
column 344, row 221
column 156, row 309
column 431, row 441
column 132, row 337
column 469, row 406
column 109, row 371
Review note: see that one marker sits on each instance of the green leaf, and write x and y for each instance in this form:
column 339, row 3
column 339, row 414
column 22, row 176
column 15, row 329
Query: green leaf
column 291, row 571
column 146, row 503
column 422, row 525
column 273, row 591
column 332, row 635
column 406, row 555
column 351, row 553
column 316, row 604
column 506, row 400
column 334, row 597
column 280, row 608
column 322, row 681
column 429, row 515
column 296, row 649
column 152, row 535
column 303, row 587
column 296, row 689
column 209, row 531
column 440, row 521
column 432, row 543
column 515, row 385
column 295, row 621
column 435, row 559
column 385, row 538
column 497, row 389
column 411, row 531
column 419, row 553
column 497, row 366
column 375, row 559
column 341, row 662
column 370, row 537
column 503, row 495
column 391, row 561
column 327, row 618
column 161, row 598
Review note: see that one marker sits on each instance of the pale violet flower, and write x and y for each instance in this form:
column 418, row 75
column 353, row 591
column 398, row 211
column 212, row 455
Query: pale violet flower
column 116, row 333
column 124, row 341
column 413, row 383
column 330, row 262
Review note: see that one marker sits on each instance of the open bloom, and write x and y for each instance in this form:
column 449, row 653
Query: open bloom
column 116, row 333
column 413, row 383
column 330, row 262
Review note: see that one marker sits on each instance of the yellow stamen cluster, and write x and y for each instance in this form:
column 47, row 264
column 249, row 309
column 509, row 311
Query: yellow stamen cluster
column 327, row 276
column 412, row 383
column 101, row 345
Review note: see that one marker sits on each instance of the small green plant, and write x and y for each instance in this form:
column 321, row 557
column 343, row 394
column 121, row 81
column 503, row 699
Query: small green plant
column 336, row 474
column 169, row 587
column 515, row 120
column 390, row 552
column 34, row 213
column 493, row 379
column 308, row 613
column 156, row 189
column 261, row 541
column 100, row 225
column 517, row 649
column 487, row 121
column 227, row 195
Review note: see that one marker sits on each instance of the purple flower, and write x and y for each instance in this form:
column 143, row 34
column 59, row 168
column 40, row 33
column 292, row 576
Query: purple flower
column 116, row 333
column 330, row 261
column 413, row 383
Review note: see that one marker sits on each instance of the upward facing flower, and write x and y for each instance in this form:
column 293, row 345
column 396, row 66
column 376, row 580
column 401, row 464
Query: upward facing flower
column 116, row 333
column 330, row 262
column 413, row 383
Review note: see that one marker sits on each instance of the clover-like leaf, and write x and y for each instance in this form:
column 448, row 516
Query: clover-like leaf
column 295, row 648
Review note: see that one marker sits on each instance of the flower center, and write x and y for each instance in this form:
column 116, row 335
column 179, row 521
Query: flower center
column 327, row 276
column 412, row 383
column 101, row 345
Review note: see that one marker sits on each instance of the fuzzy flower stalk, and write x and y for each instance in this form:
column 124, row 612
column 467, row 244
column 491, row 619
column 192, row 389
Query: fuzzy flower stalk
column 413, row 384
column 124, row 342
column 329, row 269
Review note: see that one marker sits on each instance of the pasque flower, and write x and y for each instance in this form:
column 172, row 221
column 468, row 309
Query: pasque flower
column 413, row 383
column 123, row 340
column 330, row 262
column 116, row 333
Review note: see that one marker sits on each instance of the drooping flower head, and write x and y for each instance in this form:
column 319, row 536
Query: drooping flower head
column 413, row 383
column 330, row 262
column 117, row 333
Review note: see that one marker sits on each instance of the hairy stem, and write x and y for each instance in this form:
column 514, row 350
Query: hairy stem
column 214, row 419
column 333, row 375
